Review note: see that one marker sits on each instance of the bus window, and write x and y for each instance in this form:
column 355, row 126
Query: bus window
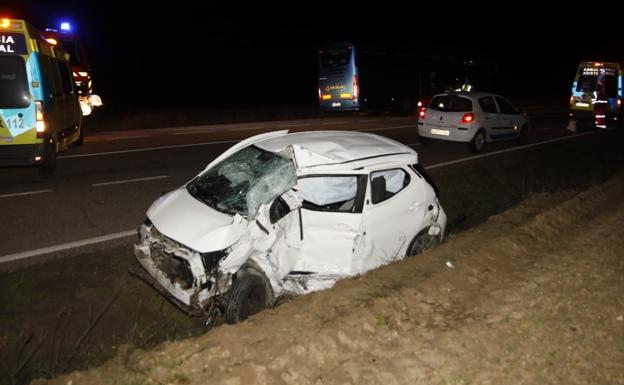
column 335, row 57
column 13, row 83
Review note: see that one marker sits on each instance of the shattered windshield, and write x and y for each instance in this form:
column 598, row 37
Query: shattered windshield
column 242, row 182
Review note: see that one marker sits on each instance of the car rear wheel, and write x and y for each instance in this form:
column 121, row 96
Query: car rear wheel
column 477, row 144
column 250, row 293
column 523, row 135
column 421, row 242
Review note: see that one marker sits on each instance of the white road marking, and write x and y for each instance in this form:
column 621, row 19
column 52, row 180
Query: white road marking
column 130, row 180
column 194, row 132
column 65, row 246
column 146, row 149
column 246, row 128
column 450, row 162
column 388, row 128
column 24, row 193
column 331, row 123
column 204, row 143
column 129, row 137
column 293, row 125
column 104, row 238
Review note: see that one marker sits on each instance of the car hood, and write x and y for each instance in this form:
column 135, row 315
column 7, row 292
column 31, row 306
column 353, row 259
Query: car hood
column 192, row 223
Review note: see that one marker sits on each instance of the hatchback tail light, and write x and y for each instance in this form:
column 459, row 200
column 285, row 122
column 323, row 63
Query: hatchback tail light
column 468, row 118
column 422, row 114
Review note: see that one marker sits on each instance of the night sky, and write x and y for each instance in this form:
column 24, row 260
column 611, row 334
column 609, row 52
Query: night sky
column 227, row 57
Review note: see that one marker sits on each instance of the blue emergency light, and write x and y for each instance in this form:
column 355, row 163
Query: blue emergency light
column 65, row 26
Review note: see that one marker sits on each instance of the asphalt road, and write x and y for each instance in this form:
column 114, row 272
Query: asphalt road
column 103, row 188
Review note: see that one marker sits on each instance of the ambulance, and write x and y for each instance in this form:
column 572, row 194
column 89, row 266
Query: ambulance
column 40, row 114
column 596, row 99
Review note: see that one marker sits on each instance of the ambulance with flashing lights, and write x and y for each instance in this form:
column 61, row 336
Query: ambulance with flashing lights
column 40, row 113
column 596, row 99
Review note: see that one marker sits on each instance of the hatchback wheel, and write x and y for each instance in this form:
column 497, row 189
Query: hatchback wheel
column 421, row 242
column 477, row 144
column 250, row 293
column 523, row 135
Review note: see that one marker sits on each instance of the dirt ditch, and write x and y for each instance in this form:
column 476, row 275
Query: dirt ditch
column 534, row 297
column 544, row 275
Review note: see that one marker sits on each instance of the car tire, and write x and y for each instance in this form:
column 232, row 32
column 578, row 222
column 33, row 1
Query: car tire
column 80, row 140
column 477, row 144
column 250, row 293
column 421, row 242
column 523, row 135
column 48, row 167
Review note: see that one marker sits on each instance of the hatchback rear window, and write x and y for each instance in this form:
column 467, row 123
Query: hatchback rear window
column 14, row 91
column 451, row 103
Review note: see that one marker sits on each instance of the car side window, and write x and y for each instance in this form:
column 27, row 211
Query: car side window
column 505, row 106
column 487, row 105
column 387, row 183
column 333, row 193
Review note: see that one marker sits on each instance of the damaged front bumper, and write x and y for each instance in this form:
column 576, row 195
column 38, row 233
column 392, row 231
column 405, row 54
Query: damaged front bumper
column 177, row 271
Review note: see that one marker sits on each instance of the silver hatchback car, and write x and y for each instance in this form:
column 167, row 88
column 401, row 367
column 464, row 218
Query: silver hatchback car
column 472, row 118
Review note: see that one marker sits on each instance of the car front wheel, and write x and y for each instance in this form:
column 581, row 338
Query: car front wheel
column 250, row 293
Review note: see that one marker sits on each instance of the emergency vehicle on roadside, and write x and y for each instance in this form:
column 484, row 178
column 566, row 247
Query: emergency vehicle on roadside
column 40, row 113
column 596, row 99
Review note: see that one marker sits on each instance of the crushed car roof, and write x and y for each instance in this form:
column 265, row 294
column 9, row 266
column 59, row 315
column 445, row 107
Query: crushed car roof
column 351, row 149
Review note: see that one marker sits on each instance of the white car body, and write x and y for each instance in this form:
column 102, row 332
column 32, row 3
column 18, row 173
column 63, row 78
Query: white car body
column 193, row 250
column 489, row 113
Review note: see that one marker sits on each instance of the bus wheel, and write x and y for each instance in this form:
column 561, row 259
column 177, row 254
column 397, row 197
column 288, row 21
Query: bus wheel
column 48, row 167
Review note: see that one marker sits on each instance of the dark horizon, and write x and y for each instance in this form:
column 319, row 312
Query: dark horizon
column 203, row 56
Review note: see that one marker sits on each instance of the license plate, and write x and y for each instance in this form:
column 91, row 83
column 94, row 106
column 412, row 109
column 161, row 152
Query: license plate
column 435, row 131
column 336, row 104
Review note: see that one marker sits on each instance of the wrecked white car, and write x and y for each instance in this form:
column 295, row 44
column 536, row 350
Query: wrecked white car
column 284, row 213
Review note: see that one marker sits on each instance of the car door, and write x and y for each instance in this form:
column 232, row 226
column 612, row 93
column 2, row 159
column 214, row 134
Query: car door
column 393, row 213
column 331, row 219
column 490, row 117
column 509, row 119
